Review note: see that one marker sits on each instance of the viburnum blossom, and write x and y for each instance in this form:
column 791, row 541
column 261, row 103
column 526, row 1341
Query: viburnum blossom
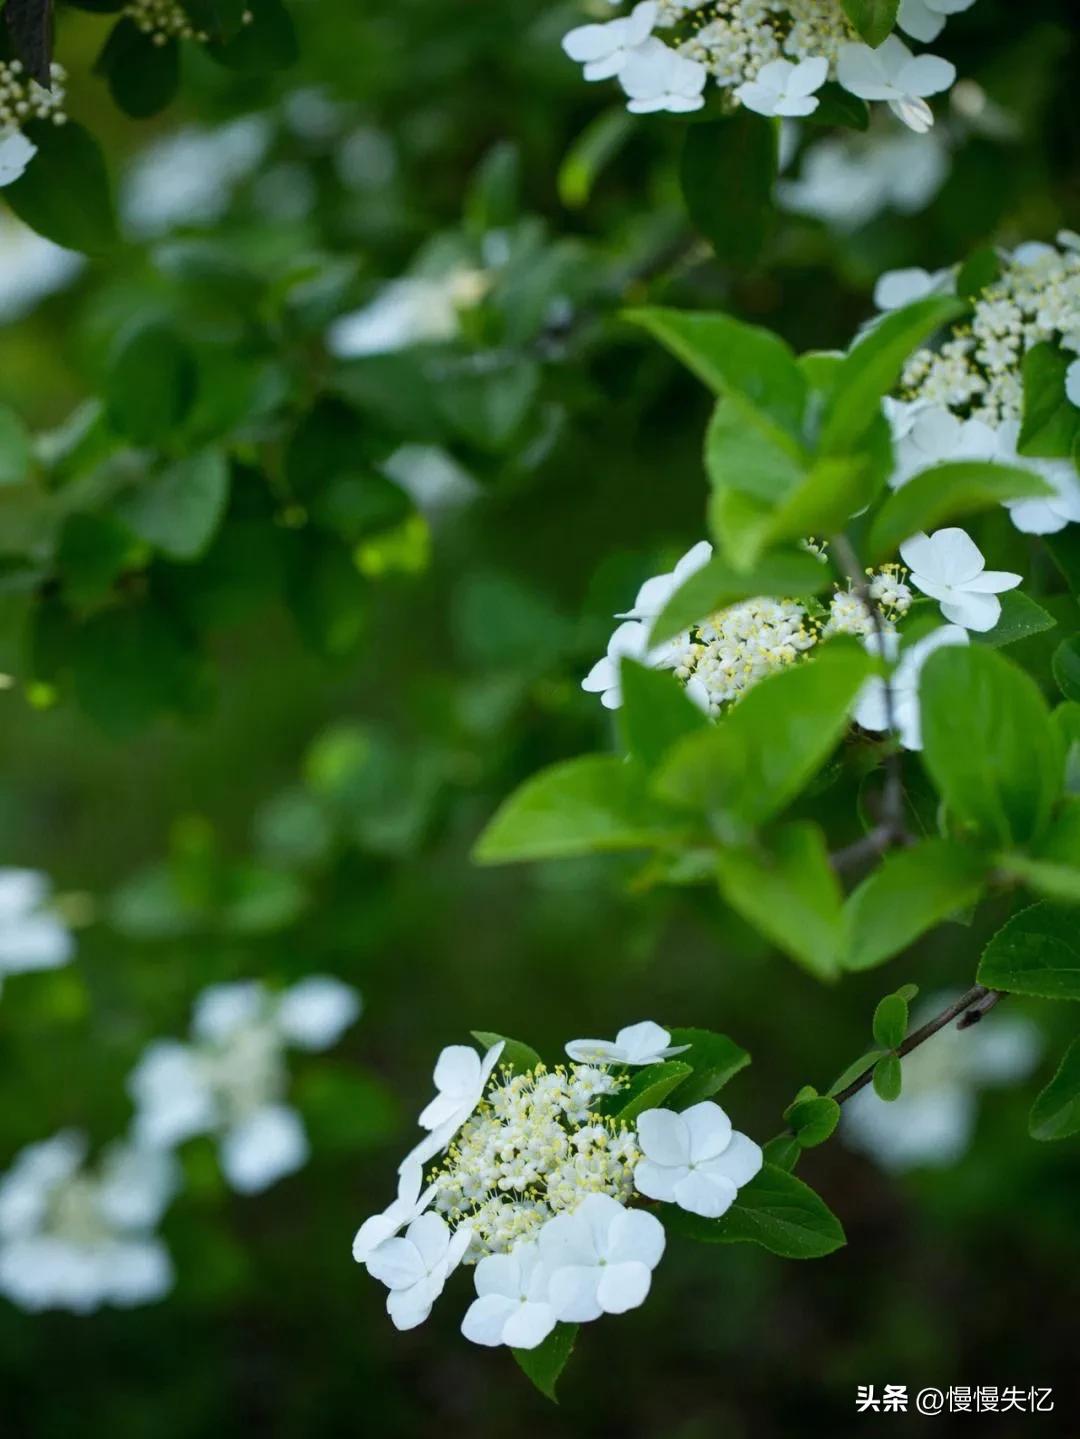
column 32, row 936
column 415, row 1268
column 600, row 1258
column 949, row 567
column 412, row 1200
column 637, row 1044
column 512, row 1304
column 694, row 1159
column 231, row 1079
column 769, row 55
column 73, row 1237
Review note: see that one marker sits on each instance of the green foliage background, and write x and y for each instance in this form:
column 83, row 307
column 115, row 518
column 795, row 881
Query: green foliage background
column 257, row 721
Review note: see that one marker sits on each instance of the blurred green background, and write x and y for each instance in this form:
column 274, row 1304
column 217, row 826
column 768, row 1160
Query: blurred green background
column 346, row 752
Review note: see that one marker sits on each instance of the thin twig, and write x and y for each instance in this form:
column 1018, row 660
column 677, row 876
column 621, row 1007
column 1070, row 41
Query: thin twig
column 977, row 1011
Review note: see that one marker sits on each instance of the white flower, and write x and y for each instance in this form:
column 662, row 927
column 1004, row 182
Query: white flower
column 949, row 567
column 409, row 1205
column 655, row 593
column 73, row 1238
column 781, row 88
column 927, row 435
column 657, row 78
column 847, row 181
column 263, row 1147
column 317, row 1011
column 933, row 1120
column 643, row 1043
column 415, row 1268
column 604, row 50
column 16, row 152
column 600, row 1258
column 512, row 1305
column 1072, row 383
column 925, row 19
column 870, row 708
column 172, row 1095
column 630, row 641
column 892, row 73
column 415, row 310
column 31, row 937
column 460, row 1078
column 221, row 1011
column 694, row 1159
column 1045, row 514
column 897, row 288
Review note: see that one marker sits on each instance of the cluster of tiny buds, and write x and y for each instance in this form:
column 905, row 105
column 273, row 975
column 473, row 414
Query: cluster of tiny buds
column 734, row 39
column 22, row 98
column 165, row 20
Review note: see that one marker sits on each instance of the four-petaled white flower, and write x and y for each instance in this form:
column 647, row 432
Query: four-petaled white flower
column 604, row 50
column 30, row 936
column 600, row 1258
column 409, row 1205
column 461, row 1077
column 643, row 1043
column 781, row 88
column 892, row 73
column 927, row 435
column 658, row 78
column 871, row 709
column 925, row 19
column 694, row 1159
column 512, row 1305
column 16, row 152
column 949, row 567
column 415, row 1267
column 655, row 592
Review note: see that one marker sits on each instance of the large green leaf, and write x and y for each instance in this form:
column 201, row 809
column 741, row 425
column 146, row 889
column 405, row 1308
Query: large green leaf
column 775, row 1210
column 947, row 492
column 727, row 174
column 1066, row 666
column 655, row 712
column 1051, row 423
column 65, row 193
column 546, row 1362
column 758, row 757
column 874, row 19
column 582, row 806
column 872, row 367
column 1020, row 618
column 911, row 891
column 1037, row 953
column 792, row 574
column 151, row 382
column 788, row 890
column 989, row 744
column 648, row 1088
column 1056, row 1111
column 178, row 509
column 143, row 75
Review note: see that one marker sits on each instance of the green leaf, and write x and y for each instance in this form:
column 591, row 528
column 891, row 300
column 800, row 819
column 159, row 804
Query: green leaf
column 648, row 1089
column 150, row 384
column 1020, row 618
column 734, row 359
column 911, row 891
column 589, row 155
column 888, row 1077
column 65, row 194
column 1056, row 1111
column 15, row 452
column 92, row 552
column 814, row 1120
column 582, row 806
column 178, row 509
column 143, row 76
column 980, row 269
column 713, row 1059
column 891, row 1021
column 775, row 1210
column 788, row 890
column 855, row 1070
column 788, row 574
column 488, row 407
column 1054, row 869
column 266, row 42
column 948, row 492
column 758, row 757
column 872, row 367
column 1051, row 422
column 1036, row 953
column 520, row 1057
column 655, row 712
column 782, row 1152
column 727, row 175
column 989, row 744
column 1066, row 667
column 545, row 1364
column 874, row 19
column 130, row 665
column 752, row 467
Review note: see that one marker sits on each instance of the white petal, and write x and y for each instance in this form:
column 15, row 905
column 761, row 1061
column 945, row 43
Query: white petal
column 926, row 75
column 529, row 1325
column 588, row 42
column 960, row 557
column 664, row 1137
column 974, row 611
column 757, row 98
column 658, row 1181
column 566, row 1241
column 710, row 1130
column 916, row 19
column 373, row 1232
column 809, row 75
column 222, row 1010
column 572, row 1293
column 635, row 1235
column 699, row 1193
column 316, row 1012
column 431, row 1236
column 623, row 1286
column 409, row 1307
column 486, row 1317
column 1072, row 383
column 594, row 1051
column 896, row 288
column 920, row 554
column 642, row 1043
column 263, row 1148
column 992, row 582
column 739, row 1162
column 457, row 1069
column 859, row 71
column 16, row 152
column 916, row 114
column 396, row 1263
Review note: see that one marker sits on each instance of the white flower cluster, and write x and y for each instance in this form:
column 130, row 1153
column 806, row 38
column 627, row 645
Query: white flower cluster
column 32, row 936
column 537, row 1189
column 964, row 399
column 77, row 1238
column 163, row 20
column 771, row 56
column 23, row 99
column 231, row 1079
